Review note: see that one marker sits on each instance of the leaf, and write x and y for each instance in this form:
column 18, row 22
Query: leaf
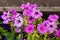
column 0, row 22
column 39, row 20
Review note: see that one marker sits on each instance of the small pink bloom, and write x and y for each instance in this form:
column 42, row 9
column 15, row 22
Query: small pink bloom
column 37, row 14
column 29, row 28
column 42, row 28
column 30, row 19
column 53, row 17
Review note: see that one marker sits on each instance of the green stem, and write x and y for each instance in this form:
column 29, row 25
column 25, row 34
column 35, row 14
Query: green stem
column 45, row 37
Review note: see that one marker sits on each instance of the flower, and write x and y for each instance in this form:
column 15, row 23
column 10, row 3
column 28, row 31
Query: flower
column 25, row 6
column 42, row 28
column 13, row 11
column 58, row 33
column 30, row 19
column 53, row 17
column 37, row 14
column 5, row 15
column 29, row 28
column 51, row 26
column 28, row 6
column 6, row 21
column 18, row 30
column 15, row 16
column 28, row 12
column 18, row 21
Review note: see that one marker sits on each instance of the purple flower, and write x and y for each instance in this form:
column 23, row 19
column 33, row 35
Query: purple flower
column 42, row 28
column 5, row 15
column 28, row 6
column 53, row 17
column 30, row 19
column 29, row 28
column 15, row 16
column 37, row 14
column 25, row 6
column 13, row 11
column 18, row 21
column 6, row 21
column 51, row 26
column 27, row 12
column 58, row 33
column 18, row 30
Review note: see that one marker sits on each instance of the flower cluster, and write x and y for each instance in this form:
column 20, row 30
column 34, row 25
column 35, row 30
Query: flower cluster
column 32, row 15
column 13, row 16
column 47, row 26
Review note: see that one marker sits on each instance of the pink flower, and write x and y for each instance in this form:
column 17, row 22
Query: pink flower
column 18, row 22
column 6, row 21
column 13, row 11
column 50, row 25
column 37, row 14
column 28, row 12
column 42, row 28
column 25, row 6
column 15, row 16
column 28, row 6
column 29, row 28
column 30, row 19
column 5, row 15
column 58, row 33
column 53, row 17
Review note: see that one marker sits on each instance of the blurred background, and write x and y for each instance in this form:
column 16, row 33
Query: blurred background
column 39, row 2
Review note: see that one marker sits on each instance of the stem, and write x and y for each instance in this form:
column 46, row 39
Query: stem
column 45, row 37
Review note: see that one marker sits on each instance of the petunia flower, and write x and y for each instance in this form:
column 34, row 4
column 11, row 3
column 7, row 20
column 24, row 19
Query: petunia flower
column 58, row 33
column 37, row 14
column 53, row 17
column 28, row 12
column 30, row 19
column 51, row 26
column 18, row 21
column 6, row 21
column 29, row 28
column 15, row 16
column 5, row 15
column 42, row 28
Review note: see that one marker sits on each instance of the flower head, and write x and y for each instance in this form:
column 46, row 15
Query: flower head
column 37, row 14
column 51, row 26
column 58, row 33
column 18, row 21
column 5, row 15
column 28, row 12
column 53, row 17
column 29, row 28
column 15, row 16
column 30, row 19
column 42, row 28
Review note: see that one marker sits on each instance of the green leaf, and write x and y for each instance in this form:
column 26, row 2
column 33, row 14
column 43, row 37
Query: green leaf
column 0, row 22
column 39, row 20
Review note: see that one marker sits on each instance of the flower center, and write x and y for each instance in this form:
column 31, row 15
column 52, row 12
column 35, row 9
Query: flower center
column 30, row 18
column 30, row 28
column 51, row 26
column 19, row 21
column 36, row 12
column 5, row 14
